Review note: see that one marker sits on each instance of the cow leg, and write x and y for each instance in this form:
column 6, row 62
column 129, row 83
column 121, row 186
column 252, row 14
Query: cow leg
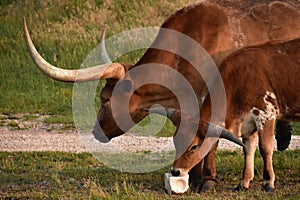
column 283, row 134
column 248, row 173
column 196, row 176
column 266, row 150
column 209, row 170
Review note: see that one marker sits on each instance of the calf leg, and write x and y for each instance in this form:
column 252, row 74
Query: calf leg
column 203, row 175
column 266, row 150
column 196, row 176
column 248, row 173
column 209, row 170
column 283, row 134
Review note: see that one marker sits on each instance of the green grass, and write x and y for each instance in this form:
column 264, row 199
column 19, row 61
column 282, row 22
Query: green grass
column 13, row 124
column 55, row 175
column 67, row 121
column 156, row 125
column 296, row 128
column 59, row 119
column 30, row 117
column 64, row 32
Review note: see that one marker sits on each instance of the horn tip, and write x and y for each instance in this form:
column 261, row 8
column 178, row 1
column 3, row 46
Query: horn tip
column 24, row 21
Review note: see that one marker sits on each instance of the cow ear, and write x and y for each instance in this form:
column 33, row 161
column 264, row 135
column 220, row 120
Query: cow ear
column 126, row 85
column 174, row 115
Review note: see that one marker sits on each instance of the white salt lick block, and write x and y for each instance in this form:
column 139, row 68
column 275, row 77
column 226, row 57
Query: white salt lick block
column 176, row 184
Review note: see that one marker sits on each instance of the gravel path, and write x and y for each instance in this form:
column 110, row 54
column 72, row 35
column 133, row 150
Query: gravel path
column 71, row 141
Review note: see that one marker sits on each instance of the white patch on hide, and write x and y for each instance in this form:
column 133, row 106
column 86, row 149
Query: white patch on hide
column 237, row 34
column 262, row 116
column 270, row 94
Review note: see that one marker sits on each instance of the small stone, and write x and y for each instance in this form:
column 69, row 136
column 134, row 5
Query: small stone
column 71, row 180
column 21, row 126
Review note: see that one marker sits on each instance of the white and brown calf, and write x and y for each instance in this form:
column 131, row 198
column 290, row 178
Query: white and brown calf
column 272, row 91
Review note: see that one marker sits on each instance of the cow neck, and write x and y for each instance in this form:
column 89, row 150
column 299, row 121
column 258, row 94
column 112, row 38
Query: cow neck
column 163, row 98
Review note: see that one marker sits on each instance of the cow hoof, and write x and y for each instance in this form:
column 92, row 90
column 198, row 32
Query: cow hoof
column 240, row 188
column 208, row 185
column 268, row 189
column 196, row 186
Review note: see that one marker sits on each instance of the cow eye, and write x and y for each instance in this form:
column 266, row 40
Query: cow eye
column 194, row 148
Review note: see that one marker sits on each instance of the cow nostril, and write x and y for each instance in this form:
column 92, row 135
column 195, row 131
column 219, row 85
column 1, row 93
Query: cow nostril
column 175, row 172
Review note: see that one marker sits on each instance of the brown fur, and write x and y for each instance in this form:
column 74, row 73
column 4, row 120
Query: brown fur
column 274, row 67
column 208, row 25
column 271, row 22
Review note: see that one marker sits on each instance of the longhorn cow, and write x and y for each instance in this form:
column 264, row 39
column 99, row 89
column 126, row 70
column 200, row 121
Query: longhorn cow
column 275, row 67
column 206, row 24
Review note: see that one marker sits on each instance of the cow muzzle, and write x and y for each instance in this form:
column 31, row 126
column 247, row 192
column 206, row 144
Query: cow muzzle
column 178, row 172
column 99, row 134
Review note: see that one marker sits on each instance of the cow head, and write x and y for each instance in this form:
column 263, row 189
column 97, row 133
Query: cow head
column 118, row 81
column 190, row 146
column 114, row 109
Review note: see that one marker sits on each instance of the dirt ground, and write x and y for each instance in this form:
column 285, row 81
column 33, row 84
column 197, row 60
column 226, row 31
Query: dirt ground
column 20, row 134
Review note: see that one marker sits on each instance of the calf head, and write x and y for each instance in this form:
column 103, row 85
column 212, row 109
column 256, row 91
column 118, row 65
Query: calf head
column 190, row 147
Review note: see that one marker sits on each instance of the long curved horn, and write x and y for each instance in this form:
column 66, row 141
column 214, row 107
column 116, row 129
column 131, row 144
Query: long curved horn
column 104, row 55
column 224, row 133
column 113, row 70
column 229, row 136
